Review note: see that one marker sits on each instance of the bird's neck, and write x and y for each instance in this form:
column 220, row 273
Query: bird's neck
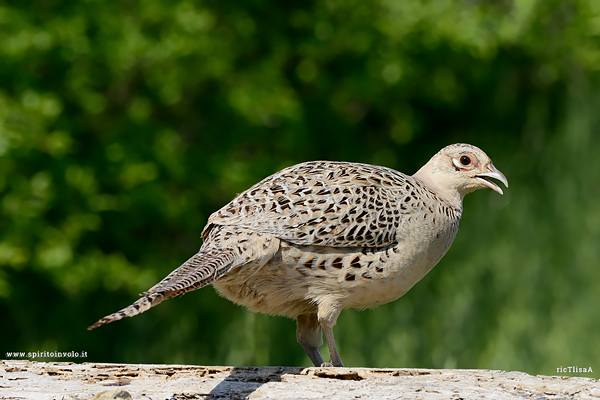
column 427, row 176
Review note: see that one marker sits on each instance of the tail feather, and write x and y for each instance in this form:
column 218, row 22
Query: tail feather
column 200, row 270
column 141, row 305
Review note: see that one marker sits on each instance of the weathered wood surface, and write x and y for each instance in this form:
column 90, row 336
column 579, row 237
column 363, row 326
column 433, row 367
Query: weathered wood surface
column 71, row 381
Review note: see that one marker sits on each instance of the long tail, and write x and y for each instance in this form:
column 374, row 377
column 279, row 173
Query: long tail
column 202, row 269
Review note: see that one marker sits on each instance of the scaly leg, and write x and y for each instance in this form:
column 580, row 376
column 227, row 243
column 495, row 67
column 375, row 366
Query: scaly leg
column 336, row 360
column 310, row 337
column 327, row 315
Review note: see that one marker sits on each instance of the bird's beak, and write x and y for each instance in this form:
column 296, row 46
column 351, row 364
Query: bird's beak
column 493, row 173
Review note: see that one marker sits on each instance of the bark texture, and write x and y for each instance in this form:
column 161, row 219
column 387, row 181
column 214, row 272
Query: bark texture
column 72, row 381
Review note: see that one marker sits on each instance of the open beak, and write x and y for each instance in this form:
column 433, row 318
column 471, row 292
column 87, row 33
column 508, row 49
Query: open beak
column 493, row 173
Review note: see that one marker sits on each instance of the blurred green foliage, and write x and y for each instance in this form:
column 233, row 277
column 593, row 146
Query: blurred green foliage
column 124, row 124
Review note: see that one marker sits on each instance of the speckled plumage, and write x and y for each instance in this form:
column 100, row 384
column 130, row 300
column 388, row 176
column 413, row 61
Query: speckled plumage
column 322, row 236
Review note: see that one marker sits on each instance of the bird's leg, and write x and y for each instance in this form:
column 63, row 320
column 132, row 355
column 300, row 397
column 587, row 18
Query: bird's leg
column 310, row 336
column 336, row 360
column 327, row 318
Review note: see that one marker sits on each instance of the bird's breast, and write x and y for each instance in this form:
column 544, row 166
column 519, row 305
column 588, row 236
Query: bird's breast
column 391, row 272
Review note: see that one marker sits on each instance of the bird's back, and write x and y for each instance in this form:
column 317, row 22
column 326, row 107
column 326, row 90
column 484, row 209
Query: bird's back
column 328, row 203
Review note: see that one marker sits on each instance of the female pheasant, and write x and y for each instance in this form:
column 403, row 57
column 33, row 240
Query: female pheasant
column 321, row 236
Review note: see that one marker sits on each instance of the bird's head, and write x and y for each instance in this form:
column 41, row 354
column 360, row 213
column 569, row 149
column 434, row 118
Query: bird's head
column 459, row 169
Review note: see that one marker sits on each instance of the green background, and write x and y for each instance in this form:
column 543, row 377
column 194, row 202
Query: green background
column 125, row 124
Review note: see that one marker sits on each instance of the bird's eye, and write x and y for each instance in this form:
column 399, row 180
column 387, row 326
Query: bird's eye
column 465, row 160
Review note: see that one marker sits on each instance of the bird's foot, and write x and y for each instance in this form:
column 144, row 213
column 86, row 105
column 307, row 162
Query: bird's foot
column 327, row 365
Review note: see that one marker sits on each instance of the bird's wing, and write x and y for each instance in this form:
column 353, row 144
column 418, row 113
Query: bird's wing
column 327, row 204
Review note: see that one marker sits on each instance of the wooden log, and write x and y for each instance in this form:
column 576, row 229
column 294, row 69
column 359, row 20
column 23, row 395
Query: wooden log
column 72, row 381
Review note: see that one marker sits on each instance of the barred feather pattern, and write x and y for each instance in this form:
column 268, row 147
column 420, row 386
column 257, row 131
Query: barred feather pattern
column 225, row 248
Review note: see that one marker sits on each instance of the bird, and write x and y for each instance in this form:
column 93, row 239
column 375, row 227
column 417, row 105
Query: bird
column 322, row 236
